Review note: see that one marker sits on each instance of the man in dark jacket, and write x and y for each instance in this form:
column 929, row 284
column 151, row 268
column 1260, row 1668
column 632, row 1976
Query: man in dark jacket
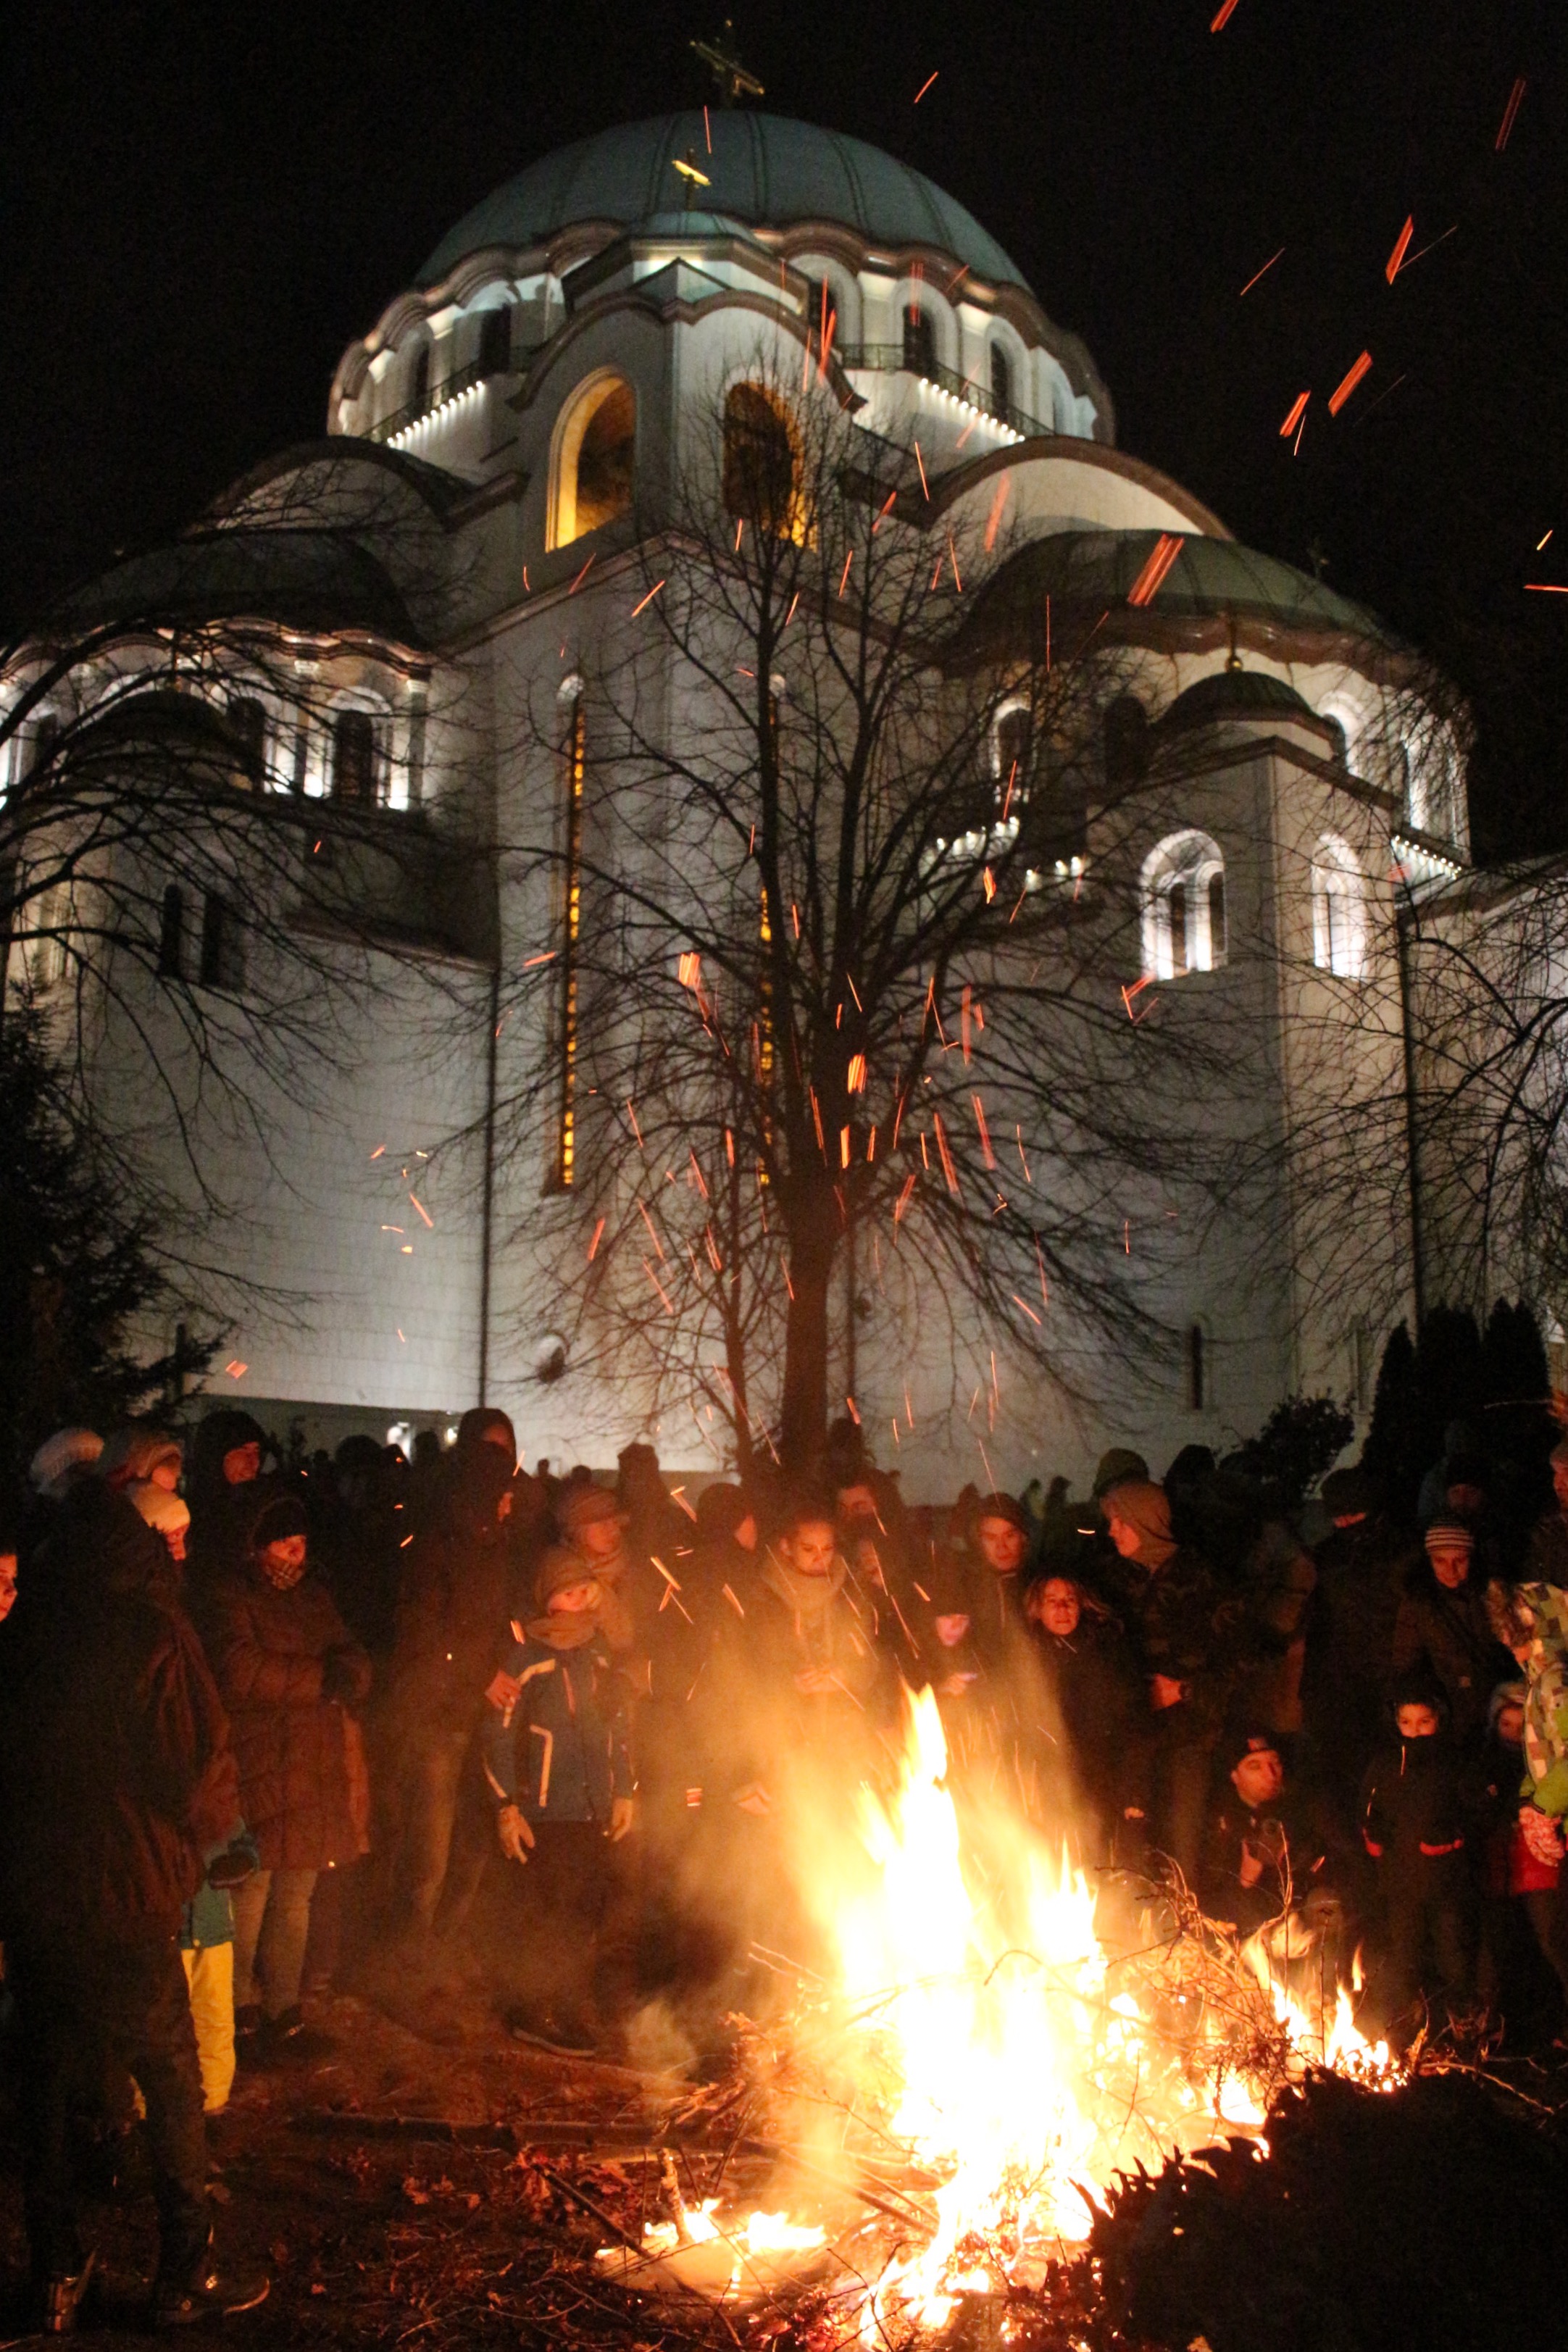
column 1442, row 1630
column 1270, row 1846
column 116, row 1774
column 1362, row 1567
column 1419, row 1806
column 224, row 1465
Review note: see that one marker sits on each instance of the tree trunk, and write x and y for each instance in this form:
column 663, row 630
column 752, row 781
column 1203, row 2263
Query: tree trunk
column 804, row 1418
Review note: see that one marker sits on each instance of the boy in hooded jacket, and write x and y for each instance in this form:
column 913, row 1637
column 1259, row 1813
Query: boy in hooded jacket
column 1418, row 1806
column 559, row 1766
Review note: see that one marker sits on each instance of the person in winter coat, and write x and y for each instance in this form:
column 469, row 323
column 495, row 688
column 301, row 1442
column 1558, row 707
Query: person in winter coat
column 1097, row 1756
column 1532, row 1620
column 116, row 1777
column 1363, row 1564
column 1546, row 1559
column 1270, row 1846
column 559, row 1769
column 1442, row 1630
column 293, row 1679
column 1518, row 1887
column 226, row 1463
column 593, row 1525
column 1419, row 1806
column 141, row 1454
column 458, row 1598
column 1188, row 1638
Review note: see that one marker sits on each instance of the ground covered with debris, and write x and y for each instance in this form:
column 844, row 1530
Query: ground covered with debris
column 450, row 2186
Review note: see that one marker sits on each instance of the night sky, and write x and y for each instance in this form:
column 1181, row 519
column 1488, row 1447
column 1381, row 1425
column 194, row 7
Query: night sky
column 203, row 204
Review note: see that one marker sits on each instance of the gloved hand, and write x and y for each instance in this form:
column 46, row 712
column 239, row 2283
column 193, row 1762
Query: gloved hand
column 515, row 1835
column 340, row 1675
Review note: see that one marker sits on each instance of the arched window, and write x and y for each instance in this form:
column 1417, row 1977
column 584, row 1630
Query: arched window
column 595, row 445
column 821, row 313
column 1012, row 737
column 1339, row 911
column 761, row 483
column 495, row 341
column 920, row 341
column 353, row 757
column 1001, row 381
column 419, row 381
column 1184, row 907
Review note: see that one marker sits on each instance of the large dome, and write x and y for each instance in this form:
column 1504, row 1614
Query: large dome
column 764, row 169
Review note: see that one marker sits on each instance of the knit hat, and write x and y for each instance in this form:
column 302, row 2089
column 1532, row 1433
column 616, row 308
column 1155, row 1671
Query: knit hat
column 135, row 1452
column 558, row 1571
column 1506, row 1695
column 60, row 1457
column 229, row 1428
column 283, row 1516
column 1247, row 1739
column 1115, row 1468
column 583, row 1506
column 1140, row 1504
column 1350, row 1494
column 1417, row 1688
column 1449, row 1535
column 166, row 1513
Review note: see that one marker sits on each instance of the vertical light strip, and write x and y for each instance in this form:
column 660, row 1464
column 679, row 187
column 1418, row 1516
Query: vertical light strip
column 565, row 1164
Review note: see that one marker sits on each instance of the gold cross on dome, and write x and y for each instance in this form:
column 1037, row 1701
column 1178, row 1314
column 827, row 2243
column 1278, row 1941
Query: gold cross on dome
column 687, row 166
column 722, row 60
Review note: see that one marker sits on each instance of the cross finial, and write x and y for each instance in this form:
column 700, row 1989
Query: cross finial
column 688, row 168
column 722, row 60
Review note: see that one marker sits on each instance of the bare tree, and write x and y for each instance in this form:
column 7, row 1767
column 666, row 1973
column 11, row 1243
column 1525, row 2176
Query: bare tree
column 843, row 981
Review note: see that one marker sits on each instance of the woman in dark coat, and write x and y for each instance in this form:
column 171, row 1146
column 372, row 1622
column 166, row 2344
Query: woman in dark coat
column 291, row 1676
column 1098, row 1759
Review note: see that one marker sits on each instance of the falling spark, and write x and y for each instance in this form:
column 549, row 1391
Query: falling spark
column 407, row 1250
column 581, row 576
column 788, row 1284
column 653, row 1236
column 793, row 603
column 381, row 1147
column 1297, row 411
column 1127, row 1236
column 903, row 1200
column 854, row 1413
column 1401, row 248
column 843, row 1147
column 856, row 1073
column 952, row 559
column 1146, row 587
column 988, row 884
column 1506, row 129
column 398, row 1328
column 424, row 1211
column 1226, row 11
column 636, row 1129
column 994, row 519
column 1027, row 1178
column 882, row 516
column 1261, row 273
column 1541, row 542
column 1026, row 1307
column 925, row 86
column 652, row 592
column 920, row 462
column 669, row 1303
column 236, row 1369
column 1546, row 588
column 547, row 956
column 947, row 1167
column 731, row 1600
column 844, row 576
column 985, row 1131
column 1041, row 1262
column 593, row 1244
column 706, row 130
column 1338, row 399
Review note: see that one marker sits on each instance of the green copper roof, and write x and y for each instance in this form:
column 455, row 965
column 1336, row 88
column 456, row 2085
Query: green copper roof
column 763, row 169
column 1210, row 578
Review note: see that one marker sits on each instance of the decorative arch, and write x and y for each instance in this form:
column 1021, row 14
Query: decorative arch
column 592, row 459
column 1339, row 909
column 762, row 460
column 1183, row 909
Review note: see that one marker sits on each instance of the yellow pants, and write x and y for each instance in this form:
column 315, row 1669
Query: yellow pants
column 209, row 1972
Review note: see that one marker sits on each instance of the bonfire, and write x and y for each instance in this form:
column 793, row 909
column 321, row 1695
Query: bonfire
column 987, row 2056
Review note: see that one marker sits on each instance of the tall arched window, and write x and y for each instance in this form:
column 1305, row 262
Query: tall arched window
column 1001, row 381
column 821, row 313
column 761, row 476
column 1184, row 907
column 596, row 446
column 920, row 341
column 419, row 381
column 1012, row 737
column 1339, row 911
column 353, row 757
column 495, row 340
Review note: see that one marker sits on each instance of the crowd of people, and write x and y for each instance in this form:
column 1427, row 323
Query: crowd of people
column 374, row 1721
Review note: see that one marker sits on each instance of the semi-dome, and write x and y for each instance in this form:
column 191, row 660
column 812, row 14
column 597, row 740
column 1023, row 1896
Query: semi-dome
column 1238, row 694
column 763, row 169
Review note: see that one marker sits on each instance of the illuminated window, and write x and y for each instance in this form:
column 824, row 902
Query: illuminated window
column 1184, row 907
column 761, row 473
column 595, row 447
column 1339, row 911
column 1011, row 739
column 566, row 1170
column 821, row 313
column 920, row 341
column 1001, row 381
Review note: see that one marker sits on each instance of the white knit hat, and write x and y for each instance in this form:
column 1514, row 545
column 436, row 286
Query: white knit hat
column 166, row 1514
column 67, row 1449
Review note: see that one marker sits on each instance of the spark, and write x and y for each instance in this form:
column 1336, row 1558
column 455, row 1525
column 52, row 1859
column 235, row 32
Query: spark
column 1297, row 411
column 731, row 1600
column 1402, row 247
column 1127, row 1235
column 925, row 86
column 636, row 1129
column 407, row 1249
column 871, row 1145
column 903, row 1200
column 988, row 884
column 947, row 1167
column 653, row 1236
column 1546, row 588
column 844, row 576
column 843, row 1147
column 882, row 516
column 1295, row 452
column 424, row 1211
column 381, row 1147
column 1337, row 399
column 1261, row 273
column 1027, row 1178
column 1506, row 128
column 908, row 1408
column 1226, row 11
column 1026, row 1307
column 740, row 527
column 669, row 1303
column 994, row 519
column 1425, row 249
column 793, row 603
column 1541, row 542
column 696, row 1173
column 1146, row 587
column 394, row 1229
column 548, row 957
column 985, row 1131
column 920, row 462
column 854, row 992
column 789, row 1286
column 854, row 1411
column 236, row 1369
column 967, row 430
column 1129, row 994
column 581, row 576
column 652, row 592
column 856, row 1073
column 706, row 130
column 593, row 1244
column 1041, row 1262
column 952, row 559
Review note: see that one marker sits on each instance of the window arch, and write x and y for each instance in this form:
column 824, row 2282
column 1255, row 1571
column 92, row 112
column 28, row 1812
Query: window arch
column 762, row 473
column 596, row 446
column 1339, row 909
column 419, row 381
column 1184, row 909
column 1012, row 742
column 920, row 341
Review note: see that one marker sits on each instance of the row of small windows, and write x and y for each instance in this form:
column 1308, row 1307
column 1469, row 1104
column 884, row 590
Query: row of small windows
column 592, row 476
column 347, row 761
column 919, row 342
column 1184, row 909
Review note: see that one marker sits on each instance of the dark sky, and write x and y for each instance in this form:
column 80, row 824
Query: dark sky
column 202, row 202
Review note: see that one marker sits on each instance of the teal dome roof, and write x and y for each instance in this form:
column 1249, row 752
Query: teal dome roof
column 763, row 169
